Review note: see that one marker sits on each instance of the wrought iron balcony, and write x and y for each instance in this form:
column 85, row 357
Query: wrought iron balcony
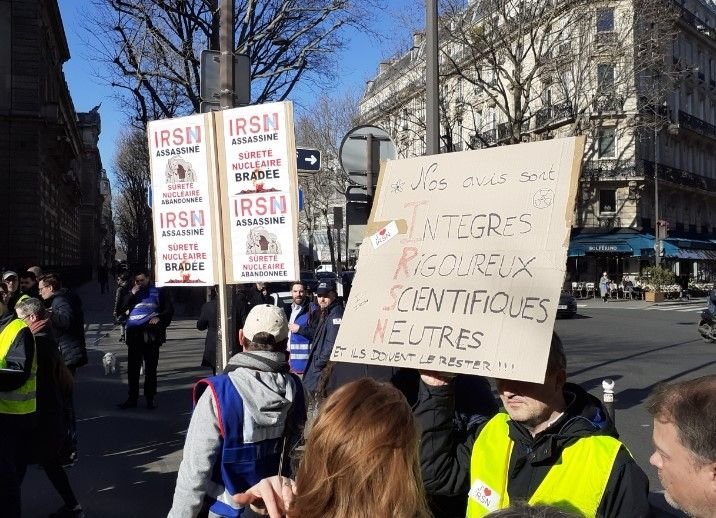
column 695, row 124
column 608, row 102
column 605, row 38
column 609, row 169
column 489, row 136
column 679, row 176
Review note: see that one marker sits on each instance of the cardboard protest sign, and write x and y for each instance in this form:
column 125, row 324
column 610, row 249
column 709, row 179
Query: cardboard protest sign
column 259, row 192
column 183, row 175
column 462, row 268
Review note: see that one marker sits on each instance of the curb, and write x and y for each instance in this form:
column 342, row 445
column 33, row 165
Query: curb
column 691, row 302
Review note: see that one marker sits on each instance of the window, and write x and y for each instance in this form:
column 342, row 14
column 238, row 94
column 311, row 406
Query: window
column 607, row 143
column 605, row 20
column 605, row 77
column 607, row 200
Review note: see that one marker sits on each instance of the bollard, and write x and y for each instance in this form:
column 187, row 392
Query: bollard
column 608, row 398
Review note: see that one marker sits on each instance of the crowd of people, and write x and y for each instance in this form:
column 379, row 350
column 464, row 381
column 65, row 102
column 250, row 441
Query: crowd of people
column 284, row 431
column 42, row 344
column 395, row 442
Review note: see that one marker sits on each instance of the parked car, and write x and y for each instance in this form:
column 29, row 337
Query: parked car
column 280, row 292
column 567, row 307
column 326, row 276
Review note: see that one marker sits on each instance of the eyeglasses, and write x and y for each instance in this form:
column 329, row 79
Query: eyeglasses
column 40, row 288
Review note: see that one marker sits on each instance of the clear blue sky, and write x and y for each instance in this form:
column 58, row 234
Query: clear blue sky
column 360, row 58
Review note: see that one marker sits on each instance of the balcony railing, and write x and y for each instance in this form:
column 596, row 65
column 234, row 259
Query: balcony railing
column 504, row 131
column 548, row 114
column 489, row 136
column 608, row 102
column 605, row 38
column 609, row 169
column 679, row 176
column 695, row 124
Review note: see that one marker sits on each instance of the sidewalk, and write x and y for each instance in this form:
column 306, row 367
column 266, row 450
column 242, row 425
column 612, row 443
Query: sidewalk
column 597, row 303
column 127, row 459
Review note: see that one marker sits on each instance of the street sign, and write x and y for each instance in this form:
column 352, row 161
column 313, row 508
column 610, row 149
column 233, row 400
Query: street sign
column 209, row 106
column 308, row 160
column 353, row 154
column 209, row 77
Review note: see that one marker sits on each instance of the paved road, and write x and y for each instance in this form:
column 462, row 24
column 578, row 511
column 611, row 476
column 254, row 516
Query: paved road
column 128, row 460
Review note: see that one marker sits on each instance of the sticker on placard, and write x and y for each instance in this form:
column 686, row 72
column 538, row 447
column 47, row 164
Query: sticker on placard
column 384, row 235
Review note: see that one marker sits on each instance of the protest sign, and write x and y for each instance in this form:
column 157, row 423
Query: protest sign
column 183, row 178
column 259, row 192
column 464, row 260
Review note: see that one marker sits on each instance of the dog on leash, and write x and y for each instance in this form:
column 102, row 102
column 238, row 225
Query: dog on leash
column 110, row 363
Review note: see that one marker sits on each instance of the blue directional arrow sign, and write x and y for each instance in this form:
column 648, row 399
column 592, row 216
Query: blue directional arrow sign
column 308, row 160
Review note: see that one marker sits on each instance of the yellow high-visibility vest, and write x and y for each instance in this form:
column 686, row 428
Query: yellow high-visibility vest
column 576, row 483
column 24, row 399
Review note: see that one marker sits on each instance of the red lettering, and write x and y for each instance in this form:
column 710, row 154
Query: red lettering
column 394, row 295
column 409, row 253
column 380, row 330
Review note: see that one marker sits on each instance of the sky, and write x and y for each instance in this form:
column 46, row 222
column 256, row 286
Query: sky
column 359, row 62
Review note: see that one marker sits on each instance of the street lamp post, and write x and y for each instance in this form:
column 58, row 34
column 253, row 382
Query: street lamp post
column 432, row 116
column 657, row 241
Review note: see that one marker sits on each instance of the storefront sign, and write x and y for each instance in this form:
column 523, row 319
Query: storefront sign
column 259, row 186
column 183, row 183
column 464, row 260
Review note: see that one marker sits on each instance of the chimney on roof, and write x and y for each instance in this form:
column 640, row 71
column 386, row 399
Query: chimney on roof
column 418, row 38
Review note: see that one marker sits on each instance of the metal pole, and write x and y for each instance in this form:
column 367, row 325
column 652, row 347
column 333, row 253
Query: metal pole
column 225, row 330
column 226, row 70
column 432, row 116
column 369, row 170
column 657, row 240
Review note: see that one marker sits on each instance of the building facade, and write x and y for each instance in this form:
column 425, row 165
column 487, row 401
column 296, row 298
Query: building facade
column 643, row 93
column 50, row 169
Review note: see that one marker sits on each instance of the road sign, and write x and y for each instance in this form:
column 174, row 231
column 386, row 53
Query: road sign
column 209, row 77
column 353, row 154
column 207, row 106
column 308, row 160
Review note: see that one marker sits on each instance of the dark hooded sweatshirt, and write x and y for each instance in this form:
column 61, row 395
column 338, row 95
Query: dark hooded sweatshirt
column 446, row 461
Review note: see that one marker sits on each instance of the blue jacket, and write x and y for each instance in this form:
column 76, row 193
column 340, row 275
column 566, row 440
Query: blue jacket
column 241, row 465
column 300, row 344
column 323, row 339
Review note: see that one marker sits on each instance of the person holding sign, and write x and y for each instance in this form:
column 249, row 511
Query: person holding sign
column 553, row 445
column 324, row 336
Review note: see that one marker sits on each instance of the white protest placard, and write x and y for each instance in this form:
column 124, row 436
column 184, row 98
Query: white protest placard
column 471, row 282
column 183, row 174
column 259, row 192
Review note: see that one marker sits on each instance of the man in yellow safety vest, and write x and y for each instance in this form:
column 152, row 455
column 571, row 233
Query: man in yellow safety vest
column 18, row 367
column 552, row 444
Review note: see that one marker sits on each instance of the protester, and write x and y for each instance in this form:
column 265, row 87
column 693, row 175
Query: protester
column 67, row 319
column 28, row 285
column 248, row 296
column 522, row 510
column 52, row 440
column 12, row 282
column 207, row 322
column 684, row 439
column 254, row 412
column 36, row 270
column 120, row 317
column 324, row 336
column 4, row 296
column 150, row 313
column 361, row 459
column 474, row 405
column 18, row 404
column 300, row 325
column 604, row 286
column 553, row 445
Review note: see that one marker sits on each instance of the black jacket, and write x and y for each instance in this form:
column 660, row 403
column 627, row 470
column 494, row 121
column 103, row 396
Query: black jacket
column 207, row 322
column 446, row 462
column 309, row 329
column 68, row 327
column 322, row 345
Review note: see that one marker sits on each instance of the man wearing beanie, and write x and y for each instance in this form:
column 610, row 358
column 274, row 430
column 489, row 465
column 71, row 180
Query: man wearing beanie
column 244, row 427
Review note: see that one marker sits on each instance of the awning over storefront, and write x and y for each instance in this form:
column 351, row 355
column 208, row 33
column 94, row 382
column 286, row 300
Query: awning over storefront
column 630, row 243
column 699, row 250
